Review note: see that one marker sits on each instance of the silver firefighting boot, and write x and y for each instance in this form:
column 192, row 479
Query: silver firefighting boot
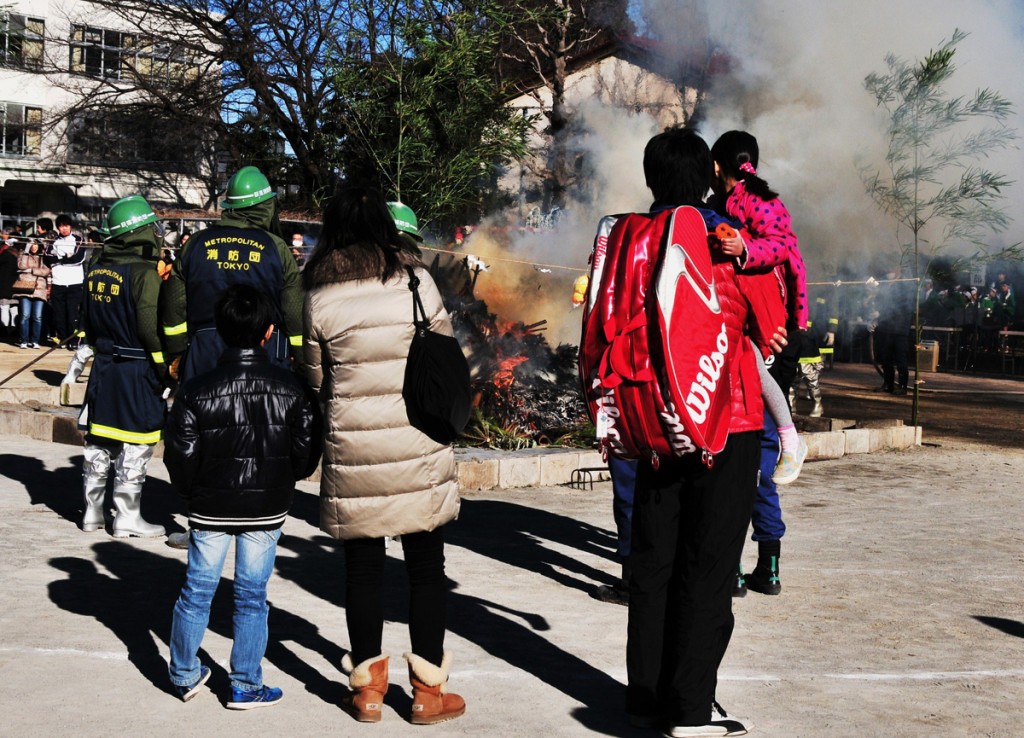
column 813, row 376
column 95, row 469
column 131, row 474
column 82, row 355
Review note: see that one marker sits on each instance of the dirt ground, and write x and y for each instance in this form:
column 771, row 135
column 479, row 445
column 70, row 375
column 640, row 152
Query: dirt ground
column 985, row 408
column 900, row 613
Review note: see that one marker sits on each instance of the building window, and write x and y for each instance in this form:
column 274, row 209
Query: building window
column 131, row 140
column 100, row 52
column 22, row 130
column 21, row 41
column 97, row 51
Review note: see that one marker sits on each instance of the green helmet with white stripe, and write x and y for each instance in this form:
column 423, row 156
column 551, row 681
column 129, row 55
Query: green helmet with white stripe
column 246, row 188
column 405, row 219
column 128, row 214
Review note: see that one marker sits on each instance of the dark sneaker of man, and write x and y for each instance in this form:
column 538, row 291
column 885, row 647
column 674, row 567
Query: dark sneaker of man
column 721, row 724
column 617, row 594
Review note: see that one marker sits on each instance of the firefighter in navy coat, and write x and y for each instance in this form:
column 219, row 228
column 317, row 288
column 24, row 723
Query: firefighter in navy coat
column 244, row 247
column 126, row 409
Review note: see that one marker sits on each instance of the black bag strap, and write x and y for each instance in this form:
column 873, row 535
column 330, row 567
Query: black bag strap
column 419, row 315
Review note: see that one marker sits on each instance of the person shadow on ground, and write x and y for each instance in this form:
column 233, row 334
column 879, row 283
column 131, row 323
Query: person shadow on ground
column 136, row 601
column 510, row 634
column 520, row 537
column 61, row 490
column 49, row 377
column 1013, row 628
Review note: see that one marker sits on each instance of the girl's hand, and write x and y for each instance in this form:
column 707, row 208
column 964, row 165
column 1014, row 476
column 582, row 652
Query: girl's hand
column 734, row 246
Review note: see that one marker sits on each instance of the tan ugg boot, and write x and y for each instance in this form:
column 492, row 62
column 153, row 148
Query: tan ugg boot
column 431, row 700
column 369, row 684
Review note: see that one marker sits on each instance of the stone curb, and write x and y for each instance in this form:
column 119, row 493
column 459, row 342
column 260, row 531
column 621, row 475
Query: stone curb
column 486, row 469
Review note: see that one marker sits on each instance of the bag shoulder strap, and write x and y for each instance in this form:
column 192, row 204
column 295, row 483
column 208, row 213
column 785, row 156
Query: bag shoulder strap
column 419, row 315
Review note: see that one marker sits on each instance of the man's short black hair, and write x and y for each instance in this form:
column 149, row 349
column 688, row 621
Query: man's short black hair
column 64, row 219
column 243, row 315
column 678, row 167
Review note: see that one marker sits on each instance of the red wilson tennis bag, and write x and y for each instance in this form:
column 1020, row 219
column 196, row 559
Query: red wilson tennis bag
column 654, row 351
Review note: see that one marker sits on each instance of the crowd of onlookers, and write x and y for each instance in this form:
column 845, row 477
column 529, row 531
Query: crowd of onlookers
column 42, row 269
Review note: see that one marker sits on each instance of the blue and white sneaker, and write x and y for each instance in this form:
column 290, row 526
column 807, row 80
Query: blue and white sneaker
column 262, row 697
column 189, row 691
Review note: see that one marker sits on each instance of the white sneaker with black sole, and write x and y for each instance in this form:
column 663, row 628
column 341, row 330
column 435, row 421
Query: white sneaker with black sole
column 721, row 724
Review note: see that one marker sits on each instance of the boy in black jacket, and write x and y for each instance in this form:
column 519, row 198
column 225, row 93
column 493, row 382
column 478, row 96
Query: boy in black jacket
column 236, row 441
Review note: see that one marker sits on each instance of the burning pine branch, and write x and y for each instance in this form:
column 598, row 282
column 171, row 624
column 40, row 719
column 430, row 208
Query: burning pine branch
column 526, row 393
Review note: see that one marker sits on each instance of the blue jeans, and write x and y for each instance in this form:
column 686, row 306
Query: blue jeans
column 254, row 563
column 767, row 517
column 623, row 473
column 31, row 312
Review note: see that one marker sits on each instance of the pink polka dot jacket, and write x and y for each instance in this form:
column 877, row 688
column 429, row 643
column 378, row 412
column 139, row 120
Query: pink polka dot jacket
column 772, row 243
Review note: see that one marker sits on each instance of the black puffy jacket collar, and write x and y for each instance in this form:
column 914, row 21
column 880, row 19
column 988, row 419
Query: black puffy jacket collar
column 243, row 356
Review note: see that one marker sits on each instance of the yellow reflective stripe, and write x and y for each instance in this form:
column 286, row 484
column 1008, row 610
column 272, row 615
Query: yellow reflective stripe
column 833, row 321
column 820, row 301
column 175, row 330
column 810, row 360
column 105, row 431
column 294, row 340
column 827, row 351
column 80, row 333
column 158, row 357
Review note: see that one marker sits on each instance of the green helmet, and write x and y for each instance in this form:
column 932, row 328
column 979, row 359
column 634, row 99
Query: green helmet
column 104, row 227
column 405, row 219
column 247, row 187
column 128, row 214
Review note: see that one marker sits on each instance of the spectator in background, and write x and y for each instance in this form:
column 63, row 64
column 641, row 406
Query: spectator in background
column 66, row 258
column 163, row 267
column 8, row 273
column 299, row 249
column 32, row 266
column 44, row 230
column 892, row 332
column 1007, row 304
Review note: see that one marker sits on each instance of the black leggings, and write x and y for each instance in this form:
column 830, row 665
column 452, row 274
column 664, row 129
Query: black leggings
column 364, row 575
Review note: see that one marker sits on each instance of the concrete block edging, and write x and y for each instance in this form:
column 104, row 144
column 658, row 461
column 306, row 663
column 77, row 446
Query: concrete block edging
column 486, row 469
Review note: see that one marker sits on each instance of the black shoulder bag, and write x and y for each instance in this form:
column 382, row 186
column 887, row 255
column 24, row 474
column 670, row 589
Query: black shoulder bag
column 436, row 389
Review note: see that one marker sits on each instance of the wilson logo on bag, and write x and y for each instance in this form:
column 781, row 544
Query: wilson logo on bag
column 654, row 355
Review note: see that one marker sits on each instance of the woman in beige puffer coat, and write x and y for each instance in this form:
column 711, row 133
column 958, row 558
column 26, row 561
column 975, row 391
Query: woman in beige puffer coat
column 381, row 476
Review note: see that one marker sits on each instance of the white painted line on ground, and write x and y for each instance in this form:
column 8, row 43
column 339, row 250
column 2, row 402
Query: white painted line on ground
column 621, row 676
column 106, row 655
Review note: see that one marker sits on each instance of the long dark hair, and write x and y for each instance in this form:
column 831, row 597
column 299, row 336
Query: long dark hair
column 359, row 229
column 731, row 151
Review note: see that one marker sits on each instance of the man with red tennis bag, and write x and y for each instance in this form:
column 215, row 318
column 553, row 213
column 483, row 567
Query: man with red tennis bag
column 654, row 354
column 654, row 348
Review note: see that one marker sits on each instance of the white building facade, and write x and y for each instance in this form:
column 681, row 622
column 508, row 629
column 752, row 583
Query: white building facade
column 49, row 51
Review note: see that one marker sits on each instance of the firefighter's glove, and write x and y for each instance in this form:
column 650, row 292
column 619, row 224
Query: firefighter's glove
column 830, row 339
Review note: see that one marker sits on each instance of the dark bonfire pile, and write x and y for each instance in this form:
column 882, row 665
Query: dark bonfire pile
column 525, row 391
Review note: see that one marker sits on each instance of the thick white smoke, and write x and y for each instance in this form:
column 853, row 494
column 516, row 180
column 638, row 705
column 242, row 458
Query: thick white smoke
column 796, row 83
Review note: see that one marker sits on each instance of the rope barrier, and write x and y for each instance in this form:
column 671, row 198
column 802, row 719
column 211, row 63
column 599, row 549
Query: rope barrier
column 534, row 264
